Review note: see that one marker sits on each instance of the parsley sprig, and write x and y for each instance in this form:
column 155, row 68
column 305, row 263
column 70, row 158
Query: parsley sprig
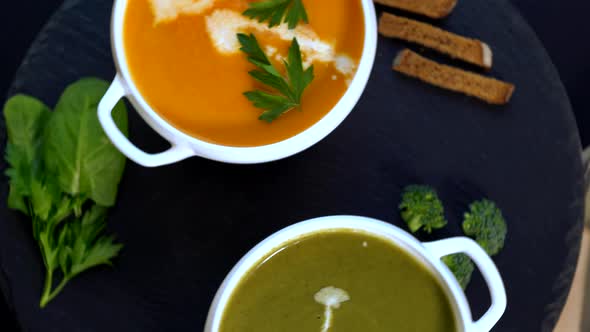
column 277, row 11
column 290, row 88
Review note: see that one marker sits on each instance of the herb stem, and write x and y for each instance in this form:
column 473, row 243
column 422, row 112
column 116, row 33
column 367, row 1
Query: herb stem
column 48, row 295
column 47, row 289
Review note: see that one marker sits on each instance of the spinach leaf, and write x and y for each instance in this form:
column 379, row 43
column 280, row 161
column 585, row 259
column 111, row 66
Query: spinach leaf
column 25, row 118
column 86, row 163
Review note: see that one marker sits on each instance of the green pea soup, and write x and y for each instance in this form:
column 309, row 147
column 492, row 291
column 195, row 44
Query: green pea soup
column 339, row 281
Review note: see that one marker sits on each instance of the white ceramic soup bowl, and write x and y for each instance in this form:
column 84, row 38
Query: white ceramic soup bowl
column 184, row 145
column 428, row 254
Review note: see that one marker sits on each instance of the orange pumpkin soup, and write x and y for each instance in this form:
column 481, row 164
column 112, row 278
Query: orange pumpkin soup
column 184, row 58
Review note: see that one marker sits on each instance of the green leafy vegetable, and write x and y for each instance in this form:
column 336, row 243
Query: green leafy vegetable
column 461, row 266
column 485, row 223
column 81, row 246
column 24, row 119
column 291, row 88
column 76, row 150
column 277, row 11
column 422, row 209
column 58, row 161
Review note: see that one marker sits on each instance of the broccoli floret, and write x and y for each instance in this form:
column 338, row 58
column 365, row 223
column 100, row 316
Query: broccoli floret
column 422, row 209
column 485, row 223
column 461, row 266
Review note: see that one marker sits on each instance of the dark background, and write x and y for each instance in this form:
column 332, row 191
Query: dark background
column 559, row 24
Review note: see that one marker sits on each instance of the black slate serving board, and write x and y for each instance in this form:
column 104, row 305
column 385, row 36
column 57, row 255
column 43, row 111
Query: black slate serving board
column 185, row 225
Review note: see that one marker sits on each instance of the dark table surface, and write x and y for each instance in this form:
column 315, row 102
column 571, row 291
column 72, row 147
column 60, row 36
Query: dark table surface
column 557, row 24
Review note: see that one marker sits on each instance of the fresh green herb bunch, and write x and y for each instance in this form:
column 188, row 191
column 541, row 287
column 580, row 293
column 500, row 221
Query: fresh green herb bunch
column 63, row 174
column 461, row 266
column 485, row 223
column 278, row 11
column 421, row 208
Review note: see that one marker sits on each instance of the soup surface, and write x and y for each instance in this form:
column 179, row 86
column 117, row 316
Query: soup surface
column 369, row 285
column 184, row 58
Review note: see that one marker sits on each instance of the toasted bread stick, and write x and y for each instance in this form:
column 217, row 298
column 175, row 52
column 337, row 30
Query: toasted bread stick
column 429, row 8
column 450, row 78
column 469, row 50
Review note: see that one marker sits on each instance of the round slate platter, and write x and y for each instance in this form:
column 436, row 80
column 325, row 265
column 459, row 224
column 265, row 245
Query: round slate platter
column 185, row 225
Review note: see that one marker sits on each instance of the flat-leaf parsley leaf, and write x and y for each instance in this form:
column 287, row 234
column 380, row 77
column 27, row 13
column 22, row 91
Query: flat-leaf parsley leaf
column 277, row 11
column 290, row 88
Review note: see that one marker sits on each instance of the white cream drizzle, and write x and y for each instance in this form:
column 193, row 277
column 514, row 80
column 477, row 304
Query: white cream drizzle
column 169, row 10
column 331, row 298
column 224, row 24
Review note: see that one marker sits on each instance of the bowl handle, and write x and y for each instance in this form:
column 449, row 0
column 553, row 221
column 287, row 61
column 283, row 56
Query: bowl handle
column 488, row 270
column 115, row 92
